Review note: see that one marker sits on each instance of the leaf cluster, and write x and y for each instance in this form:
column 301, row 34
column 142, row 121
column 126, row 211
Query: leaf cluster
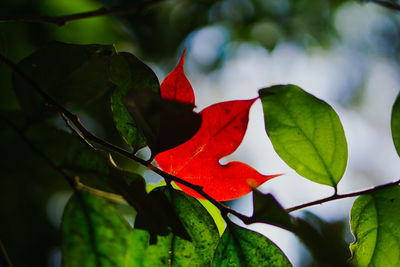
column 173, row 228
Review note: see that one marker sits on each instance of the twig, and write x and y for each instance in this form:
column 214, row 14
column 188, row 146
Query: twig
column 116, row 198
column 87, row 135
column 62, row 20
column 70, row 116
column 298, row 226
column 387, row 4
column 4, row 259
column 336, row 197
column 71, row 181
column 40, row 153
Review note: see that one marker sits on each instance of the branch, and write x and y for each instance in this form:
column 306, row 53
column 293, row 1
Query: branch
column 40, row 153
column 387, row 4
column 4, row 259
column 298, row 226
column 62, row 20
column 336, row 197
column 86, row 135
column 71, row 181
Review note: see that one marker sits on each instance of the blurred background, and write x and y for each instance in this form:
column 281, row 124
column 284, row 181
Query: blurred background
column 344, row 52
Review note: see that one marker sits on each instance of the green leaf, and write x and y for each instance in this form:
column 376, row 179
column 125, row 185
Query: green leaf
column 241, row 247
column 173, row 249
column 266, row 209
column 375, row 220
column 396, row 124
column 130, row 75
column 69, row 73
column 72, row 154
column 94, row 234
column 305, row 132
column 92, row 166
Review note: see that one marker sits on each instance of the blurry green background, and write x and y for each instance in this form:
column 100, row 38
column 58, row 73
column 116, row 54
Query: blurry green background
column 344, row 52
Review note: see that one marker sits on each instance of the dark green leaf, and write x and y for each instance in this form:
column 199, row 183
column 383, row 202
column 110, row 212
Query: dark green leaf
column 94, row 234
column 72, row 154
column 130, row 75
column 132, row 187
column 69, row 73
column 325, row 240
column 375, row 220
column 165, row 124
column 325, row 244
column 241, row 247
column 92, row 166
column 266, row 209
column 173, row 250
column 396, row 124
column 305, row 132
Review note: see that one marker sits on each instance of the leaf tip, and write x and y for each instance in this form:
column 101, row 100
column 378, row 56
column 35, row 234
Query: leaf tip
column 254, row 183
column 182, row 60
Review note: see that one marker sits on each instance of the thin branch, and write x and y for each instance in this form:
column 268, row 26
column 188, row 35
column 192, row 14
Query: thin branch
column 40, row 153
column 101, row 12
column 116, row 198
column 4, row 259
column 336, row 197
column 86, row 135
column 387, row 4
column 74, row 119
column 71, row 181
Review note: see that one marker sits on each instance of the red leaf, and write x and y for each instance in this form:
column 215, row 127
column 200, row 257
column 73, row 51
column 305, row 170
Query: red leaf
column 221, row 132
column 176, row 86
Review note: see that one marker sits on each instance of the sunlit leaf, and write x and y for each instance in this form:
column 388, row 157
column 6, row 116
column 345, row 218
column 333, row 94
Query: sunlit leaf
column 176, row 86
column 69, row 73
column 172, row 250
column 130, row 75
column 375, row 221
column 305, row 132
column 396, row 124
column 197, row 161
column 94, row 234
column 241, row 247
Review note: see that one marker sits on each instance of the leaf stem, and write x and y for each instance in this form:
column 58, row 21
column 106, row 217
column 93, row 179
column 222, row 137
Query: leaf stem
column 341, row 196
column 101, row 12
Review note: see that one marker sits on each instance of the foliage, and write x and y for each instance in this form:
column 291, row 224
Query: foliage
column 171, row 227
column 306, row 133
column 374, row 220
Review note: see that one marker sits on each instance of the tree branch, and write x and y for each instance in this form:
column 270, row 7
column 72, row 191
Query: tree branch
column 86, row 135
column 338, row 196
column 387, row 4
column 40, row 153
column 62, row 20
column 298, row 226
column 71, row 181
column 4, row 259
column 74, row 119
